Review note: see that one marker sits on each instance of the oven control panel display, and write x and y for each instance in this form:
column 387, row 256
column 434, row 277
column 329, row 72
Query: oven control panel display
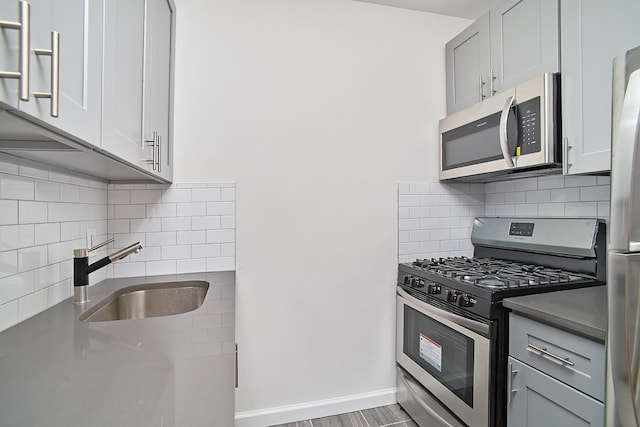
column 521, row 229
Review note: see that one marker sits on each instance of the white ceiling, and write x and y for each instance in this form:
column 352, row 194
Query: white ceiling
column 470, row 9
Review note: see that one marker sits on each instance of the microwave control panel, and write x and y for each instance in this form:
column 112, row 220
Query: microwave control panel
column 528, row 118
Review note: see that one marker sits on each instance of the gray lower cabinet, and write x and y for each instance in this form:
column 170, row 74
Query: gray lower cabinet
column 539, row 400
column 555, row 378
column 592, row 34
column 516, row 41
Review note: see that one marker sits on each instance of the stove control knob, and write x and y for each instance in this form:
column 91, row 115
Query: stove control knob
column 450, row 295
column 406, row 280
column 434, row 289
column 420, row 283
column 463, row 300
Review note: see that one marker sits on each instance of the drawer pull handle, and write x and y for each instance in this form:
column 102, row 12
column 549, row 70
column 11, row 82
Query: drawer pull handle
column 543, row 350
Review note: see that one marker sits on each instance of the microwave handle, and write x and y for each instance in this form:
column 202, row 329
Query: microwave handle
column 504, row 140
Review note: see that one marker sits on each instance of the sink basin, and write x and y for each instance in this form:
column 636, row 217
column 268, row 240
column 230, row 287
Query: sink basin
column 149, row 300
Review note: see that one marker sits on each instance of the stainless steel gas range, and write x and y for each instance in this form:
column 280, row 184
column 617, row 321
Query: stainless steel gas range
column 452, row 331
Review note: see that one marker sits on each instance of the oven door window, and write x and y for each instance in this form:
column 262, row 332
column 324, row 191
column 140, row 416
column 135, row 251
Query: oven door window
column 446, row 354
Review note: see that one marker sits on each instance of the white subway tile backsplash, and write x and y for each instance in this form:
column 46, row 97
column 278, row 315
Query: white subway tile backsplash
column 526, row 184
column 221, row 264
column 221, row 236
column 192, row 209
column 161, row 210
column 145, row 225
column 129, row 211
column 145, row 196
column 227, row 221
column 162, row 238
column 538, row 196
column 16, row 236
column 581, row 209
column 228, row 249
column 8, row 263
column 47, row 233
column 154, row 268
column 8, row 212
column 221, row 208
column 176, row 252
column 174, row 195
column 16, row 187
column 191, row 265
column 45, row 215
column 47, row 191
column 206, row 251
column 419, row 188
column 447, row 211
column 32, row 304
column 59, row 292
column 119, row 197
column 594, row 193
column 191, row 237
column 580, row 181
column 206, row 195
column 31, row 212
column 8, row 314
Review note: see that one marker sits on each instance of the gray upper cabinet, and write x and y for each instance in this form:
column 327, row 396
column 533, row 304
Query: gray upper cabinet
column 65, row 57
column 138, row 78
column 524, row 41
column 10, row 53
column 158, row 93
column 123, row 80
column 468, row 65
column 514, row 42
column 592, row 34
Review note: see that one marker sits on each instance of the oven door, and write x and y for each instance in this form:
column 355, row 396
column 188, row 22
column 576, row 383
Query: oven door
column 448, row 355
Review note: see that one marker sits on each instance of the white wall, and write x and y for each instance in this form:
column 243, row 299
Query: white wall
column 316, row 109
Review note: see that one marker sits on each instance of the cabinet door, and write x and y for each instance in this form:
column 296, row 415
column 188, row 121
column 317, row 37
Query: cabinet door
column 158, row 83
column 467, row 66
column 9, row 53
column 524, row 41
column 123, row 81
column 538, row 400
column 79, row 23
column 592, row 34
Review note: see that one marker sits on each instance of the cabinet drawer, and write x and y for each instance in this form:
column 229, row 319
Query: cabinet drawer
column 544, row 347
column 537, row 400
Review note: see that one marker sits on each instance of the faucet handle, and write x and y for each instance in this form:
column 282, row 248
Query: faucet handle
column 82, row 253
column 99, row 245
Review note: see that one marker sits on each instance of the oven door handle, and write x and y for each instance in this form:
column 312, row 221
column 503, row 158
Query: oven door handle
column 480, row 328
column 418, row 400
column 504, row 138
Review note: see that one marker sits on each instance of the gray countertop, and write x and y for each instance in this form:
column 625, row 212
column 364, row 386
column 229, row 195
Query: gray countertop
column 582, row 311
column 172, row 371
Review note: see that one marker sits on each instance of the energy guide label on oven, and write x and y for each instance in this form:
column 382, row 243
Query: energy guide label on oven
column 431, row 352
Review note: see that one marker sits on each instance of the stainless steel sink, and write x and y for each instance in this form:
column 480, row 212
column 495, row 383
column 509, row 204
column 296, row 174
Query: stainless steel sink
column 149, row 300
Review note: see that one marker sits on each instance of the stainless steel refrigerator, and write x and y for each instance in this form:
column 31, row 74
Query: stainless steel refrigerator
column 623, row 269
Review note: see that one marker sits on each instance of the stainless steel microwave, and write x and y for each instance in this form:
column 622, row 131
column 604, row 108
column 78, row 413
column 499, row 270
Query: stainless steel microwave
column 514, row 131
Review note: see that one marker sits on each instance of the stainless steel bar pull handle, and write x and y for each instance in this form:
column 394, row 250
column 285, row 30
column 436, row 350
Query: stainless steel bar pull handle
column 25, row 44
column 492, row 79
column 482, row 83
column 510, row 390
column 544, row 351
column 504, row 139
column 153, row 144
column 159, row 147
column 54, row 53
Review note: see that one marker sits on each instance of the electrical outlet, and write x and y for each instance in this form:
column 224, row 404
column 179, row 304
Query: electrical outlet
column 91, row 237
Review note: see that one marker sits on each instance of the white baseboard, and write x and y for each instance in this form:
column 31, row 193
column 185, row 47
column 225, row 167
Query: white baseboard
column 319, row 408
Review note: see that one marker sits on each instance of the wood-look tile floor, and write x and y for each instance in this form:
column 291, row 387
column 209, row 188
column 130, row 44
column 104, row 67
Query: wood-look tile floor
column 392, row 415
